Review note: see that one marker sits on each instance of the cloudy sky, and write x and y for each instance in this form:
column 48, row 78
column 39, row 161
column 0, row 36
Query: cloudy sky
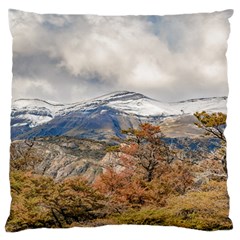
column 66, row 58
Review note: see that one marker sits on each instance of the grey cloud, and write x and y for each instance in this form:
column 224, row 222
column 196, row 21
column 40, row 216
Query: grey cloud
column 168, row 57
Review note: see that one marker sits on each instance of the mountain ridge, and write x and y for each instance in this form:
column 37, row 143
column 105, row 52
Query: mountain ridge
column 50, row 102
column 103, row 117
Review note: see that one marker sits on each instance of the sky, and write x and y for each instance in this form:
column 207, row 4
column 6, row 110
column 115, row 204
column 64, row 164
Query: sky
column 68, row 58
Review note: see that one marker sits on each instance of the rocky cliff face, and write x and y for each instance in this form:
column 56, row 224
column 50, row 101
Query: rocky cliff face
column 61, row 157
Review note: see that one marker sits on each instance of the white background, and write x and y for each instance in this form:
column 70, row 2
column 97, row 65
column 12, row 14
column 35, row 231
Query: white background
column 123, row 7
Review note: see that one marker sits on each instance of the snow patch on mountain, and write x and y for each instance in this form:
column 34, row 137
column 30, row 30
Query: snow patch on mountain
column 32, row 104
column 210, row 105
column 33, row 112
column 142, row 107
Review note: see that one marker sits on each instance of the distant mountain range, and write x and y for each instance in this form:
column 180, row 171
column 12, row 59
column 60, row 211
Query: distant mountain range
column 104, row 117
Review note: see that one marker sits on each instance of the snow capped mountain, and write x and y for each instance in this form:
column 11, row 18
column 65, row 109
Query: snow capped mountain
column 138, row 104
column 107, row 114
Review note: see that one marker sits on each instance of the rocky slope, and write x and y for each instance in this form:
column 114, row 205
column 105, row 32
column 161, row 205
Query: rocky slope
column 61, row 157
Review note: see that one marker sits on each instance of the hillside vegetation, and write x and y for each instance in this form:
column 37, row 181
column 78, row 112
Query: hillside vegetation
column 142, row 180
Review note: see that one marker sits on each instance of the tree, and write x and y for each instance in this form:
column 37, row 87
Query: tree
column 214, row 124
column 143, row 172
column 147, row 148
column 27, row 208
column 37, row 201
column 75, row 201
column 123, row 190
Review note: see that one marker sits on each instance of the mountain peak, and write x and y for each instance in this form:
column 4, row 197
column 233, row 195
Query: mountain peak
column 121, row 95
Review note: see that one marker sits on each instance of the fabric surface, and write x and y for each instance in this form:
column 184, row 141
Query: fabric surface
column 119, row 120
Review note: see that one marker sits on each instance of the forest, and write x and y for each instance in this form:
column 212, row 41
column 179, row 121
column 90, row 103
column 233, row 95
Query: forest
column 148, row 181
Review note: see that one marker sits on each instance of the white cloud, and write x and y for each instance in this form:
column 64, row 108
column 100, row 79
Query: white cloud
column 180, row 54
column 32, row 88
